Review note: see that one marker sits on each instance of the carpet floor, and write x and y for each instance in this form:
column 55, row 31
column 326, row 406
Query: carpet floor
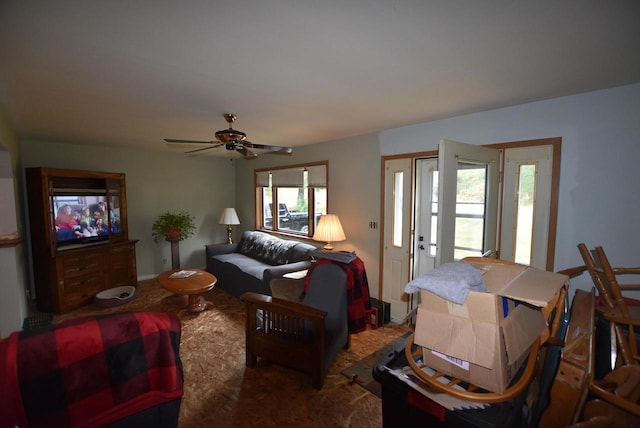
column 220, row 391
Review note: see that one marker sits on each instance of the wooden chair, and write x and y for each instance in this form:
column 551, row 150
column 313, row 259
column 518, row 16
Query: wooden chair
column 305, row 336
column 614, row 307
column 613, row 401
column 618, row 395
column 571, row 382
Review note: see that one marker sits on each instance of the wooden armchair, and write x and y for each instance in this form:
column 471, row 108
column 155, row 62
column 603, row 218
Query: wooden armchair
column 614, row 307
column 305, row 336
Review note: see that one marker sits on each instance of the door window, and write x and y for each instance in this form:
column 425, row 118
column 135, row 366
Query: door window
column 523, row 212
column 398, row 185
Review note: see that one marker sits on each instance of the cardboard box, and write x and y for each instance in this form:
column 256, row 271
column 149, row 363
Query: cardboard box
column 486, row 340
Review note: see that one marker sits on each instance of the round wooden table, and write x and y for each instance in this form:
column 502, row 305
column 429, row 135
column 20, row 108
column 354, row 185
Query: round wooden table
column 193, row 286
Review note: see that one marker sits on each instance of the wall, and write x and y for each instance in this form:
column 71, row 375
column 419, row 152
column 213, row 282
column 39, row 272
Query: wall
column 599, row 198
column 157, row 182
column 13, row 268
column 354, row 192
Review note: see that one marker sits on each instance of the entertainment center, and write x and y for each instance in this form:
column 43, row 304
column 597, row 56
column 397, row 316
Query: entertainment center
column 79, row 236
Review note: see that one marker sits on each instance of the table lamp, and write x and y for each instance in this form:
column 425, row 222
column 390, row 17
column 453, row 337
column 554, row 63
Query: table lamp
column 329, row 230
column 229, row 217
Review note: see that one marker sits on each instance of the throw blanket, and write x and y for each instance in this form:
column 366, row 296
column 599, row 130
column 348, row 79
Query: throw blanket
column 451, row 281
column 91, row 371
column 358, row 300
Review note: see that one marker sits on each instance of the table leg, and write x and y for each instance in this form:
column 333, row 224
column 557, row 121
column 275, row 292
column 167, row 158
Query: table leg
column 197, row 303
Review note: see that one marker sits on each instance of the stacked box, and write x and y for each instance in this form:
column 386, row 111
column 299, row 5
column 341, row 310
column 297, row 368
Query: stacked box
column 384, row 311
column 485, row 340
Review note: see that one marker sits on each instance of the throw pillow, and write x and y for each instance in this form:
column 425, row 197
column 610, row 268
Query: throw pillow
column 287, row 289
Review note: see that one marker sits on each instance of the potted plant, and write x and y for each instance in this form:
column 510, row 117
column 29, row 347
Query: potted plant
column 173, row 227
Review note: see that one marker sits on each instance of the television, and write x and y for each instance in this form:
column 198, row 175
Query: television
column 83, row 217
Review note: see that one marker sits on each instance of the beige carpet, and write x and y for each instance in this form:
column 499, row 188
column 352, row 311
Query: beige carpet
column 220, row 391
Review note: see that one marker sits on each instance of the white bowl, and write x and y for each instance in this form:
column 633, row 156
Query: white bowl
column 114, row 296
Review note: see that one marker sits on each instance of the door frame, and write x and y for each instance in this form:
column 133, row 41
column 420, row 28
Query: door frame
column 555, row 142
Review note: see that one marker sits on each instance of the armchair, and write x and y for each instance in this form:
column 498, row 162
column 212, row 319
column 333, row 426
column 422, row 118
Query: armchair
column 304, row 335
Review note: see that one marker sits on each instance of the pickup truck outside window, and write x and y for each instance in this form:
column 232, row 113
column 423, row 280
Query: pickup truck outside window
column 300, row 194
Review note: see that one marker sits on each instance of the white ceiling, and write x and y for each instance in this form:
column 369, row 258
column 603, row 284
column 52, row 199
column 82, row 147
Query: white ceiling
column 131, row 73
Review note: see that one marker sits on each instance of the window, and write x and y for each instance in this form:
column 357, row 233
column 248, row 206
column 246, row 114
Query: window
column 470, row 210
column 299, row 192
column 524, row 212
column 398, row 184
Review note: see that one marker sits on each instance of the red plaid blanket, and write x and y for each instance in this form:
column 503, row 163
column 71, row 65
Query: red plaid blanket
column 358, row 300
column 90, row 371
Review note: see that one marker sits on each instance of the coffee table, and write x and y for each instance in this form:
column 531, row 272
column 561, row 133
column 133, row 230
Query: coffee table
column 193, row 286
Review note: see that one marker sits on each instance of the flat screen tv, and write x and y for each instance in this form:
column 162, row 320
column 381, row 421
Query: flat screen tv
column 82, row 218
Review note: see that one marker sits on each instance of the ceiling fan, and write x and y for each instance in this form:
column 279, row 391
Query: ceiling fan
column 232, row 139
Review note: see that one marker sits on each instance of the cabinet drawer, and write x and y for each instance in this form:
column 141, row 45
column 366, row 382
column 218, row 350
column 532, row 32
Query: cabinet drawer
column 80, row 285
column 81, row 264
column 77, row 300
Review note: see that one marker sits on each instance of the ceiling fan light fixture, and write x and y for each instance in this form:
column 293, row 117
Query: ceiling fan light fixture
column 229, row 135
column 233, row 139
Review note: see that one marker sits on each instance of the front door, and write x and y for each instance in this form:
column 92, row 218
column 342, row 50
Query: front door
column 468, row 200
column 397, row 235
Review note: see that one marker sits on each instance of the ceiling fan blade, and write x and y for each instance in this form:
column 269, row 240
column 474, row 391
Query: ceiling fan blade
column 171, row 140
column 276, row 149
column 248, row 154
column 200, row 150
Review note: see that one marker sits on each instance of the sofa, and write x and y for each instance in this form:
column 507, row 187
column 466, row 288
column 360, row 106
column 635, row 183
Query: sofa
column 251, row 264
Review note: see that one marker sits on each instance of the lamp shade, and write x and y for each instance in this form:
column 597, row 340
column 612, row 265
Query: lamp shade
column 229, row 216
column 329, row 230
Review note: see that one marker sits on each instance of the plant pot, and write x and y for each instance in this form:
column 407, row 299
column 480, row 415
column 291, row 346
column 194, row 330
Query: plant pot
column 173, row 235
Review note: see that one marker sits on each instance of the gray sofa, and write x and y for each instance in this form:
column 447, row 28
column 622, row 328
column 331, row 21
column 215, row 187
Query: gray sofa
column 249, row 265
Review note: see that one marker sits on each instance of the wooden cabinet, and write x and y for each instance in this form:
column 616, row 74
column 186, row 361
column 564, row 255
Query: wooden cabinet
column 73, row 262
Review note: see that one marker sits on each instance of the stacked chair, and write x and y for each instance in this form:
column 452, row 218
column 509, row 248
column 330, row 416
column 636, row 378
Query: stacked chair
column 616, row 396
column 622, row 314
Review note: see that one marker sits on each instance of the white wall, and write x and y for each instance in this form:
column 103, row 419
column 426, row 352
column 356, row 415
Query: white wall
column 599, row 200
column 157, row 182
column 13, row 300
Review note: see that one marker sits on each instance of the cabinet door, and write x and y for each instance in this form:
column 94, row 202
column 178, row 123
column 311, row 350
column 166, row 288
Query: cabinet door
column 80, row 277
column 117, row 209
column 121, row 269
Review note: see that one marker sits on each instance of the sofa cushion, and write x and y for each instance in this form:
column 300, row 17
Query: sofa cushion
column 287, row 288
column 246, row 264
column 267, row 248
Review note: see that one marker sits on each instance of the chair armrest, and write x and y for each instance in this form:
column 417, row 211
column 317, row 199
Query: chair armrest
column 287, row 333
column 216, row 249
column 284, row 307
column 279, row 270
